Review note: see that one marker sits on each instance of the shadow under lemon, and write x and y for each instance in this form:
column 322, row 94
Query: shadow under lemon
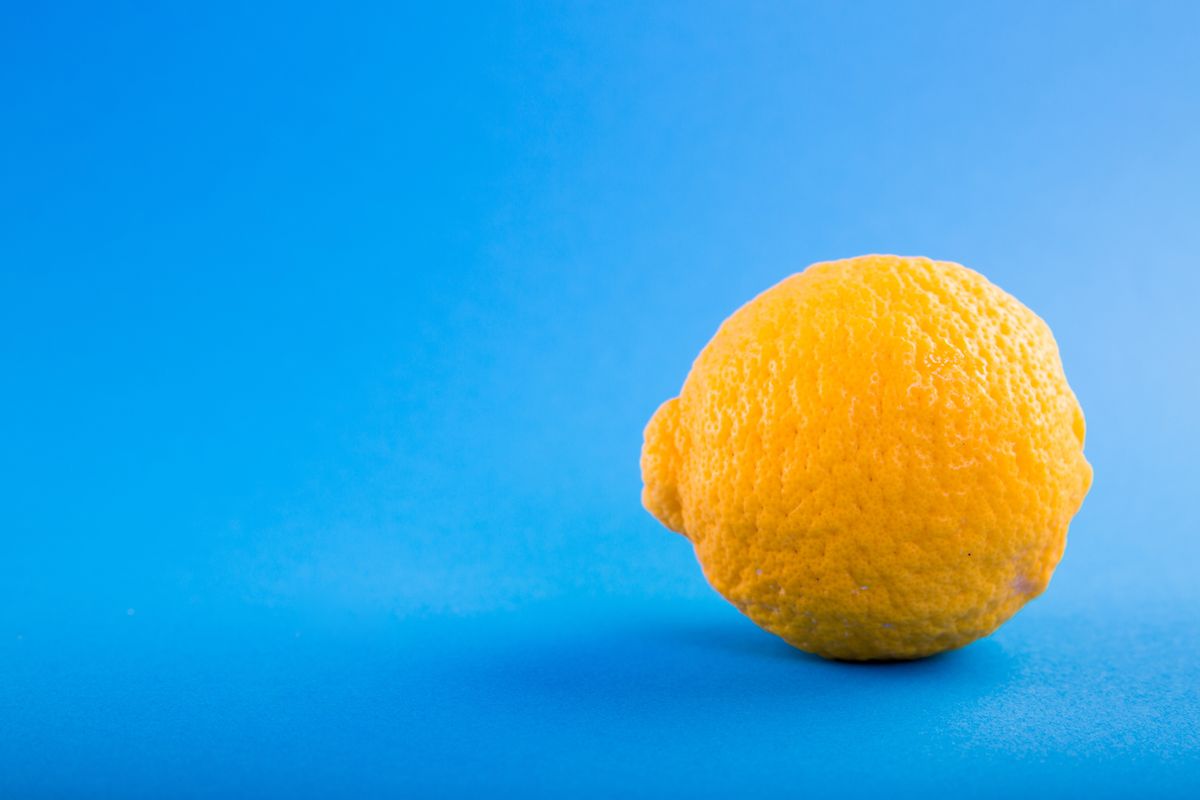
column 719, row 657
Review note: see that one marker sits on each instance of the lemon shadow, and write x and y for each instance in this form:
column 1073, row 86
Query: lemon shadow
column 726, row 661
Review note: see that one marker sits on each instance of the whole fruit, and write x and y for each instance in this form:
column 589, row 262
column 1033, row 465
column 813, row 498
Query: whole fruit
column 877, row 458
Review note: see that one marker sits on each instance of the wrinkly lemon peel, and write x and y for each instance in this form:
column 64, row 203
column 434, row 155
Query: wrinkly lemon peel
column 877, row 458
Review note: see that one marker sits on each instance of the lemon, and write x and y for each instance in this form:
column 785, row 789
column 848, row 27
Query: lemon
column 877, row 458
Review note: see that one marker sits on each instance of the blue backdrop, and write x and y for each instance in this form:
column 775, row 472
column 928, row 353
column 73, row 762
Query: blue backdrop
column 328, row 336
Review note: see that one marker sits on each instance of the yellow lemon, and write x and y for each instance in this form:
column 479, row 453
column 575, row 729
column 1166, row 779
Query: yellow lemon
column 877, row 458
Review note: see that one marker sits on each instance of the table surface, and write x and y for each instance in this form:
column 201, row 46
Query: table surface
column 329, row 335
column 638, row 699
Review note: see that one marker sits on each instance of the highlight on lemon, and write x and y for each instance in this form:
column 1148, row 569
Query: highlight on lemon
column 877, row 458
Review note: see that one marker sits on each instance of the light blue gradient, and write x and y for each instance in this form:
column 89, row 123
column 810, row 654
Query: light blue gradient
column 328, row 334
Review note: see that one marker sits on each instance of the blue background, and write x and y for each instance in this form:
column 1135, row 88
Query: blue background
column 328, row 336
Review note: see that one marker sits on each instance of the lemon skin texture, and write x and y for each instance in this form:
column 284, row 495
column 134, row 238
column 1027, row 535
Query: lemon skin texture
column 877, row 458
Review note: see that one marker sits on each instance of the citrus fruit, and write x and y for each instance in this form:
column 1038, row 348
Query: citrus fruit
column 877, row 458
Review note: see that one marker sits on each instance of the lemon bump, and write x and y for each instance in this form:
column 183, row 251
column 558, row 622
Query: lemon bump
column 877, row 458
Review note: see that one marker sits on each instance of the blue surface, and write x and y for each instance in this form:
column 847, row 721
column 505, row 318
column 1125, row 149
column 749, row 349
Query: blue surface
column 329, row 335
